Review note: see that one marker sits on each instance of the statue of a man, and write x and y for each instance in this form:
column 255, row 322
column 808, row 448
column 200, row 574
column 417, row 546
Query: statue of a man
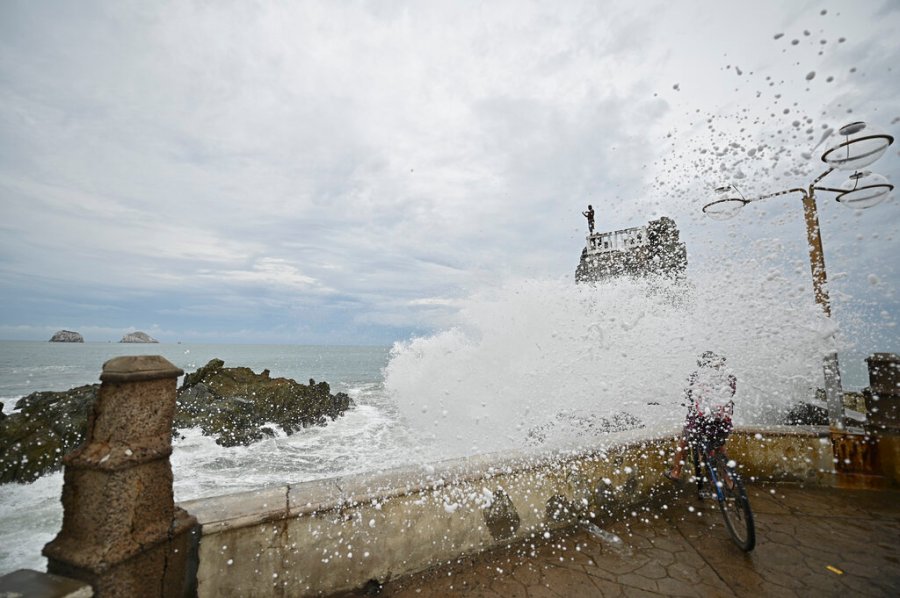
column 590, row 218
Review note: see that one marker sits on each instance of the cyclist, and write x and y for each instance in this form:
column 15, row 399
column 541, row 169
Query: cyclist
column 709, row 401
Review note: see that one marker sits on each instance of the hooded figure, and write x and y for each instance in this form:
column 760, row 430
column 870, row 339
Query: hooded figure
column 709, row 396
column 711, row 388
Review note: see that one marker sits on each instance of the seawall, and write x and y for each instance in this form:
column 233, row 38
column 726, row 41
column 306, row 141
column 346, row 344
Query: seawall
column 337, row 534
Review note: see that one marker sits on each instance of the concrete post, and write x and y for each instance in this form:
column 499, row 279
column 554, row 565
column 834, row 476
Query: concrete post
column 883, row 404
column 883, row 411
column 121, row 531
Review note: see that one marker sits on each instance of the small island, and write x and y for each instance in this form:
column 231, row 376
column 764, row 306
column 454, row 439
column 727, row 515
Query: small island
column 66, row 336
column 138, row 337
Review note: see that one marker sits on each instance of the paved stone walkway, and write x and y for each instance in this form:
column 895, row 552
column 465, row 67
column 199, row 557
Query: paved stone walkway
column 810, row 542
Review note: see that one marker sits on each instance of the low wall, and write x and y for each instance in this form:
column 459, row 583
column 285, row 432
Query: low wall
column 337, row 534
column 785, row 454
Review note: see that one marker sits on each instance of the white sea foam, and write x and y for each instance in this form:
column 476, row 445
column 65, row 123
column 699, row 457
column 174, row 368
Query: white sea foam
column 365, row 438
column 9, row 404
column 30, row 516
column 528, row 350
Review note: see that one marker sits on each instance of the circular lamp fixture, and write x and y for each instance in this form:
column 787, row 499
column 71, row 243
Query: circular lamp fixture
column 864, row 190
column 728, row 205
column 855, row 145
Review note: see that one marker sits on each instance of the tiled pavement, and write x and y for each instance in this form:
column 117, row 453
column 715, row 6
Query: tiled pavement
column 810, row 542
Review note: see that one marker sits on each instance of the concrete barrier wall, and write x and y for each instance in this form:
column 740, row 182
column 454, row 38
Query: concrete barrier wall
column 785, row 453
column 336, row 534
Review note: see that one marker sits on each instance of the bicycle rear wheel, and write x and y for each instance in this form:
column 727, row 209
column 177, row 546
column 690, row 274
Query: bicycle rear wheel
column 736, row 506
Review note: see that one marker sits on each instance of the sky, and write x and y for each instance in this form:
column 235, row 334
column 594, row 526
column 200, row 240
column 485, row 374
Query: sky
column 349, row 172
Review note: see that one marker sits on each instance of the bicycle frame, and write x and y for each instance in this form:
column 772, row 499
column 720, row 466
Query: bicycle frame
column 730, row 494
column 707, row 456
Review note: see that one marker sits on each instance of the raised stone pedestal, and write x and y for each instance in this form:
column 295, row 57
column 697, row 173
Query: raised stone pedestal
column 883, row 402
column 883, row 411
column 121, row 531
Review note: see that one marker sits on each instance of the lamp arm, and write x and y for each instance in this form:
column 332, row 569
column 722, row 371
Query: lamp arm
column 821, row 176
column 777, row 193
column 833, row 190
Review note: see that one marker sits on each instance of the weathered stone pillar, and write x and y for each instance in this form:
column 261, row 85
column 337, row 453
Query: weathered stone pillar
column 883, row 411
column 121, row 531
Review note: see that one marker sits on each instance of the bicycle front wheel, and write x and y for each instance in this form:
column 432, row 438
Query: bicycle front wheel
column 735, row 506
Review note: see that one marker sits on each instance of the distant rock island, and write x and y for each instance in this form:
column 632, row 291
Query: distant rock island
column 138, row 337
column 66, row 336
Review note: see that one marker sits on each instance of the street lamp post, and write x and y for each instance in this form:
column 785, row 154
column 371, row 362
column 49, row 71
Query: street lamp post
column 856, row 145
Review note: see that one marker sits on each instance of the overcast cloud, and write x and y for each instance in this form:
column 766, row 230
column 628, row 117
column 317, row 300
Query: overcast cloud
column 345, row 172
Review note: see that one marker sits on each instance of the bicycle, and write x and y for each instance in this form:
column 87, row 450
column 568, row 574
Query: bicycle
column 725, row 485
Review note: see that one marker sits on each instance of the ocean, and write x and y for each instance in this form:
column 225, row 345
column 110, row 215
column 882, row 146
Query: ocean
column 528, row 363
column 369, row 437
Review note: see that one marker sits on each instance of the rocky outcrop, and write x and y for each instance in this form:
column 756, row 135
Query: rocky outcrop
column 806, row 414
column 46, row 426
column 233, row 405
column 138, row 337
column 815, row 412
column 66, row 336
column 651, row 250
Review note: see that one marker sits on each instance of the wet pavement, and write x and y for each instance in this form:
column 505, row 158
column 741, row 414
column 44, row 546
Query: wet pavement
column 810, row 542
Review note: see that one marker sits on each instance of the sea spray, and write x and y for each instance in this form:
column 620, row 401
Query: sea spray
column 523, row 353
column 526, row 351
column 30, row 516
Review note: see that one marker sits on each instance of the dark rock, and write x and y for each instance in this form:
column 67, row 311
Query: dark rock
column 46, row 426
column 234, row 405
column 138, row 337
column 208, row 371
column 806, row 414
column 66, row 336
